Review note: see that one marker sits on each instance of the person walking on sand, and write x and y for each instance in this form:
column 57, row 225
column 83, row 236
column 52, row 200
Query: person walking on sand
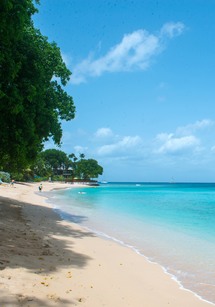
column 40, row 187
column 12, row 183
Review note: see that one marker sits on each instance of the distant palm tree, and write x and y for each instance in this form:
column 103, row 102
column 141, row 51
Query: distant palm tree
column 82, row 156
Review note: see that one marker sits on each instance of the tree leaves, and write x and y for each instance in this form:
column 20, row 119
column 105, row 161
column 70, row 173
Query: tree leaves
column 57, row 161
column 32, row 75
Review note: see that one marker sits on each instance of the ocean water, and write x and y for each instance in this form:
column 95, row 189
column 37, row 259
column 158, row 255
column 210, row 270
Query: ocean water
column 170, row 224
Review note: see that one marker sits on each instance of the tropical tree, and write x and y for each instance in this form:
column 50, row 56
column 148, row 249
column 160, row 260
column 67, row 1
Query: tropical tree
column 32, row 76
column 56, row 160
column 73, row 160
column 41, row 168
column 73, row 157
column 82, row 156
column 88, row 169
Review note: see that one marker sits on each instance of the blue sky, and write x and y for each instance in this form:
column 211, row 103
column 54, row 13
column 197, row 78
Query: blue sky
column 143, row 85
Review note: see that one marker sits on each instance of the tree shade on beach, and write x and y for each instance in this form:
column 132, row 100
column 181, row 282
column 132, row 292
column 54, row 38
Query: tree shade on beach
column 32, row 77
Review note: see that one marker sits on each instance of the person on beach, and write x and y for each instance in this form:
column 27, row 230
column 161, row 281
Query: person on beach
column 40, row 187
column 12, row 183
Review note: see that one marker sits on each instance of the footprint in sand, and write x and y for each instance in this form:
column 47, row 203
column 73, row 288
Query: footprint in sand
column 53, row 297
column 69, row 275
column 44, row 283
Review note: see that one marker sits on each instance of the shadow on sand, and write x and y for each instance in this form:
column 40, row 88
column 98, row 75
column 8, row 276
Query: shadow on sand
column 38, row 242
column 33, row 237
column 18, row 236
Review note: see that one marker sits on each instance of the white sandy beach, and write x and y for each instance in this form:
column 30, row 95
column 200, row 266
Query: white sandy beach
column 45, row 261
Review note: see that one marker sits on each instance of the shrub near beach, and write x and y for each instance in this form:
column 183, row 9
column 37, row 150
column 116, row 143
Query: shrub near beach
column 5, row 177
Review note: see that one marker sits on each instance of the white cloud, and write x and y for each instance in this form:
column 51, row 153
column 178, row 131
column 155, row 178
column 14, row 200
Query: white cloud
column 191, row 128
column 126, row 145
column 172, row 29
column 103, row 133
column 134, row 52
column 183, row 139
column 173, row 144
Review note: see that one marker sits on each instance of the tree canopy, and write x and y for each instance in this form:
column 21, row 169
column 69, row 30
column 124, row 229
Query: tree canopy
column 56, row 162
column 88, row 168
column 32, row 76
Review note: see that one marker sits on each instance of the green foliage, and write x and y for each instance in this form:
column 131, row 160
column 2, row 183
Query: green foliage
column 5, row 176
column 58, row 178
column 41, row 168
column 24, row 175
column 87, row 169
column 32, row 77
column 39, row 179
column 55, row 160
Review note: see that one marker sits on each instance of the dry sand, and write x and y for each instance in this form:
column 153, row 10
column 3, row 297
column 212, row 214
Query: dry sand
column 45, row 261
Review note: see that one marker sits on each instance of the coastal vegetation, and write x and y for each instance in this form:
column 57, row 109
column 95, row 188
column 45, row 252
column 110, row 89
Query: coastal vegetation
column 33, row 100
column 58, row 165
column 5, row 177
column 32, row 80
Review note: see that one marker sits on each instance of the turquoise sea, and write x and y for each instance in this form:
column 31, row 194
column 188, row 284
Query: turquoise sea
column 172, row 224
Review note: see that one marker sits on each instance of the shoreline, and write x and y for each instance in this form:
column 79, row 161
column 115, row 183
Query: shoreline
column 103, row 236
column 51, row 262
